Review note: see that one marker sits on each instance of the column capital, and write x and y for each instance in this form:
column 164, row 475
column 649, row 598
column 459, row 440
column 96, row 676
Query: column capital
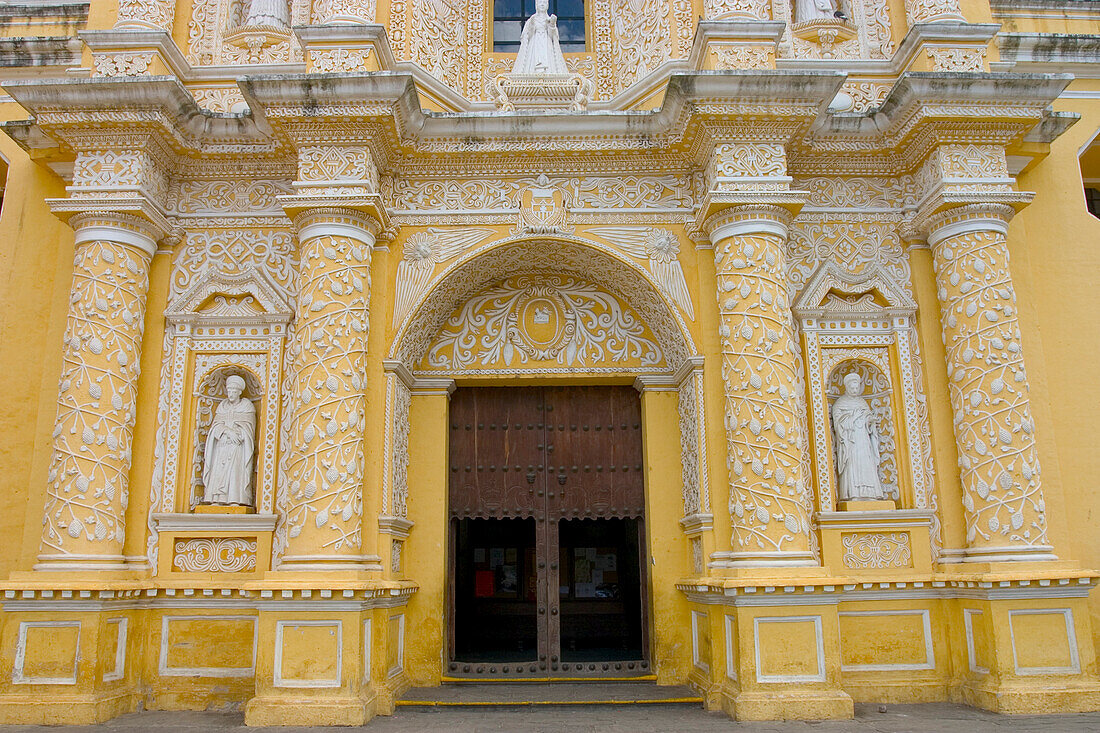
column 947, row 220
column 757, row 214
column 135, row 222
column 347, row 221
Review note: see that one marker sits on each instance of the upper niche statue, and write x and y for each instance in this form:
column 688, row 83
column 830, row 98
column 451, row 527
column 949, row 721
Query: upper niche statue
column 539, row 48
column 268, row 13
column 857, row 444
column 814, row 10
column 227, row 473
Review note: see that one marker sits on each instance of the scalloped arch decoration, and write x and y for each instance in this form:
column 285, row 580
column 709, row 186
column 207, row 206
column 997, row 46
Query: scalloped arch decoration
column 585, row 260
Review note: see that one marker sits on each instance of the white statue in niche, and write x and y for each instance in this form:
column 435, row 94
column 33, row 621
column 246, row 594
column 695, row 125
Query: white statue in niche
column 805, row 10
column 230, row 445
column 539, row 48
column 268, row 14
column 856, row 438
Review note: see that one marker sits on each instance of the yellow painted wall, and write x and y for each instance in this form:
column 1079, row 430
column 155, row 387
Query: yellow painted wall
column 35, row 267
column 1055, row 255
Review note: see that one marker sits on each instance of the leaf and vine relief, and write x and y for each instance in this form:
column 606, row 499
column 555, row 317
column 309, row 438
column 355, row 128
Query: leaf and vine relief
column 878, row 395
column 543, row 322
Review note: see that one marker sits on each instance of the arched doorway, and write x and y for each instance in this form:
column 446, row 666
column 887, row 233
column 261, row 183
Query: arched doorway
column 546, row 545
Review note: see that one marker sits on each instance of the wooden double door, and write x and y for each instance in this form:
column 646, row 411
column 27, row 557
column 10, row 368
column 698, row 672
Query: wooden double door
column 547, row 541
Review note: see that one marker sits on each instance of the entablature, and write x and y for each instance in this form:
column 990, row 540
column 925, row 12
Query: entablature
column 381, row 113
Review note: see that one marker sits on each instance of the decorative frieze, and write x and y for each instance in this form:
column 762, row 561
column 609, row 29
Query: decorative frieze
column 215, row 555
column 876, row 550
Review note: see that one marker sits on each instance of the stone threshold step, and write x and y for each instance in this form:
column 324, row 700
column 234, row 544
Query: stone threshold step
column 550, row 693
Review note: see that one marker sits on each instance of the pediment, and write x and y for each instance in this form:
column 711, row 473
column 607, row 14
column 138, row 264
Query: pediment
column 232, row 298
column 832, row 290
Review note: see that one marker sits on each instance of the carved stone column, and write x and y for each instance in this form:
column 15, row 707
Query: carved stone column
column 769, row 502
column 84, row 525
column 144, row 15
column 933, row 11
column 994, row 428
column 748, row 209
column 737, row 10
column 345, row 12
column 324, row 509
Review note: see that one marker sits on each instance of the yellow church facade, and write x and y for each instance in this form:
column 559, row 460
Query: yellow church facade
column 755, row 351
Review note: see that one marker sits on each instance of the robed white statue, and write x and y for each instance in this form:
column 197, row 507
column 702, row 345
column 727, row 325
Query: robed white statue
column 855, row 435
column 539, row 47
column 268, row 13
column 230, row 445
column 814, row 10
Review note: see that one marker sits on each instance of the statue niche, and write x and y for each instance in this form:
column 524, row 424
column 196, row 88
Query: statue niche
column 856, row 441
column 863, row 435
column 225, row 440
column 805, row 10
column 824, row 23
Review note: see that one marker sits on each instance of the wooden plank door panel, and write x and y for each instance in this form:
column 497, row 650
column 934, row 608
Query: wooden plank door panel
column 594, row 453
column 496, row 453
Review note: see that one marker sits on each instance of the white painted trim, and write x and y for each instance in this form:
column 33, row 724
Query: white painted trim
column 697, row 618
column 1071, row 636
column 762, row 559
column 971, row 654
column 747, row 227
column 119, row 670
column 335, row 229
column 280, row 681
column 17, row 676
column 1080, row 94
column 103, row 232
column 368, row 639
column 929, row 651
column 819, row 677
column 166, row 671
column 731, row 665
column 967, row 226
column 394, row 671
column 182, row 522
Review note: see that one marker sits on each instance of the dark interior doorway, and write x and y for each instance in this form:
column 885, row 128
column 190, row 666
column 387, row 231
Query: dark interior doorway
column 547, row 550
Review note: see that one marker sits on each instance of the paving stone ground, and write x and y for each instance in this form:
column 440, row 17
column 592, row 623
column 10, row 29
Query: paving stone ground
column 662, row 718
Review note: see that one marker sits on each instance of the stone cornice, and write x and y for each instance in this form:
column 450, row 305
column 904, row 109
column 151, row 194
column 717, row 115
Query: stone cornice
column 382, row 109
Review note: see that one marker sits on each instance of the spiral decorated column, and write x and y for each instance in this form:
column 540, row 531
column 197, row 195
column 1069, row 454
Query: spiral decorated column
column 84, row 524
column 324, row 502
column 769, row 496
column 994, row 428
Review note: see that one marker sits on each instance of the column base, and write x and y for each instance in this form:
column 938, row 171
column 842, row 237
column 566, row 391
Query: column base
column 790, row 705
column 1042, row 698
column 58, row 709
column 307, row 711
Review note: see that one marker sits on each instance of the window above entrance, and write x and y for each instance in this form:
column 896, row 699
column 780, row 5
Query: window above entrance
column 509, row 16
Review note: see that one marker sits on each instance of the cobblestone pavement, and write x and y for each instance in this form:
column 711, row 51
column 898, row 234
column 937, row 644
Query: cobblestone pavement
column 938, row 718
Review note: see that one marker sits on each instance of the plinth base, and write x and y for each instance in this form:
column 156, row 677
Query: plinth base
column 801, row 705
column 301, row 712
column 224, row 509
column 867, row 505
